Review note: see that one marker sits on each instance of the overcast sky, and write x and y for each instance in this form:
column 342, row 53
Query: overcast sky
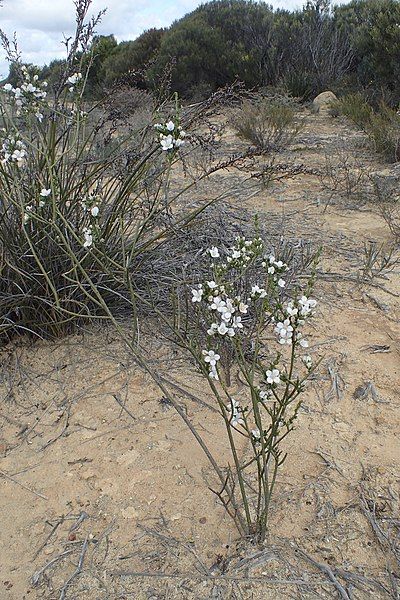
column 40, row 24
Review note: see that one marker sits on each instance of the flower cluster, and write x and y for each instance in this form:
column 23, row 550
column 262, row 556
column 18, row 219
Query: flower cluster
column 90, row 204
column 171, row 136
column 13, row 151
column 226, row 311
column 235, row 411
column 295, row 314
column 275, row 269
column 239, row 256
column 29, row 95
column 88, row 237
column 211, row 358
column 40, row 203
column 73, row 81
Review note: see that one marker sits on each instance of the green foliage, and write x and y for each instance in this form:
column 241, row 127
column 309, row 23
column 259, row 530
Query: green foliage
column 384, row 132
column 132, row 56
column 269, row 124
column 306, row 51
column 356, row 108
column 381, row 126
column 373, row 27
column 298, row 84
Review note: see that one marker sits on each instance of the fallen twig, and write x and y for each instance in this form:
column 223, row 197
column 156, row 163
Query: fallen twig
column 77, row 570
column 25, row 487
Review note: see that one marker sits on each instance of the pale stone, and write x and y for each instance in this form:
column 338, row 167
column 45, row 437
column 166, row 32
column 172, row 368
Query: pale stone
column 130, row 513
column 323, row 102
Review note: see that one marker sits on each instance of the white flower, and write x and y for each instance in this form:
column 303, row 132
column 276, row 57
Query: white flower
column 243, row 308
column 222, row 328
column 273, row 376
column 218, row 304
column 87, row 232
column 214, row 252
column 306, row 305
column 236, row 254
column 94, row 211
column 18, row 156
column 167, row 143
column 303, row 343
column 235, row 410
column 271, row 270
column 197, row 295
column 8, row 87
column 39, row 116
column 237, row 322
column 285, row 331
column 211, row 357
column 179, row 143
column 170, row 126
column 213, row 328
column 73, row 79
column 256, row 435
column 290, row 310
column 45, row 192
column 281, row 283
column 256, row 290
column 212, row 285
column 307, row 360
column 227, row 311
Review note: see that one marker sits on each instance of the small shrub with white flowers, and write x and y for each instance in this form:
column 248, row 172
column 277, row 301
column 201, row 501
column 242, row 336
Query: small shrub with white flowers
column 244, row 320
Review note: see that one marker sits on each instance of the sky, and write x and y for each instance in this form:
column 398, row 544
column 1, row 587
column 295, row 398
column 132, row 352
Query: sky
column 41, row 24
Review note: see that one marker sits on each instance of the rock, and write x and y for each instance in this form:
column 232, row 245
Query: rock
column 323, row 102
column 88, row 474
column 128, row 458
column 130, row 513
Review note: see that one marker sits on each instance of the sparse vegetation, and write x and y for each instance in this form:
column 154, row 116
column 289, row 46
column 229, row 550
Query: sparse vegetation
column 270, row 124
column 382, row 125
column 355, row 108
column 177, row 407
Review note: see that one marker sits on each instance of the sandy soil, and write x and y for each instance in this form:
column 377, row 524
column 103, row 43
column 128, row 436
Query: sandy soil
column 104, row 492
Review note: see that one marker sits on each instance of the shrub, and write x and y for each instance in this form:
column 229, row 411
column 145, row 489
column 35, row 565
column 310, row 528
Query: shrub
column 268, row 124
column 355, row 108
column 298, row 84
column 246, row 317
column 70, row 209
column 381, row 126
column 343, row 177
column 386, row 197
column 81, row 204
column 384, row 132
